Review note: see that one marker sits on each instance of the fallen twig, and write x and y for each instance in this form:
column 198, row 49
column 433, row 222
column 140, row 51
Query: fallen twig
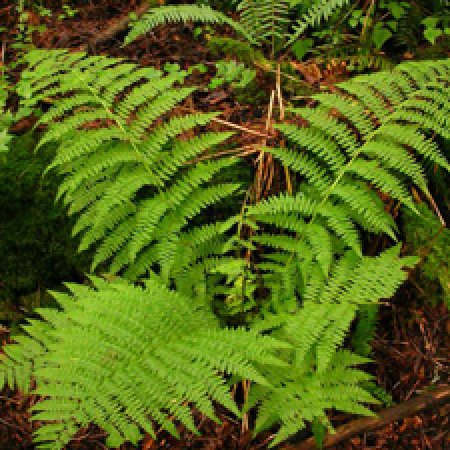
column 397, row 412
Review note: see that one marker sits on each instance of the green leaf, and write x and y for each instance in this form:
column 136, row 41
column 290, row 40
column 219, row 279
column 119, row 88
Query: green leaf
column 392, row 24
column 301, row 47
column 170, row 68
column 215, row 82
column 431, row 34
column 318, row 430
column 430, row 22
column 380, row 35
column 396, row 10
column 200, row 67
column 5, row 139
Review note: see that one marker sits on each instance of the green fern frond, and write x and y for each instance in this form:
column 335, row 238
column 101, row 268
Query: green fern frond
column 410, row 135
column 396, row 159
column 374, row 173
column 321, row 119
column 341, row 224
column 166, row 101
column 197, row 236
column 98, row 356
column 301, row 163
column 319, row 376
column 182, row 13
column 321, row 244
column 365, row 329
column 266, row 18
column 83, row 143
column 335, row 159
column 332, row 216
column 340, row 320
column 354, row 111
column 363, row 59
column 285, row 243
column 284, row 203
column 361, row 200
column 322, row 9
column 321, row 145
column 183, row 151
column 107, row 168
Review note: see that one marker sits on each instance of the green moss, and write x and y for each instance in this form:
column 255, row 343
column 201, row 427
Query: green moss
column 35, row 233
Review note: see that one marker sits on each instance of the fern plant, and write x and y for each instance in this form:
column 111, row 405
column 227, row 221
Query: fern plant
column 5, row 122
column 124, row 363
column 320, row 10
column 264, row 22
column 181, row 13
column 260, row 19
column 266, row 18
column 426, row 237
column 235, row 74
column 115, row 164
column 340, row 174
column 118, row 353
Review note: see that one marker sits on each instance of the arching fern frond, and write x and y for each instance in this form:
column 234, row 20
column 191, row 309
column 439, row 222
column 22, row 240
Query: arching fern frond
column 318, row 374
column 182, row 13
column 321, row 10
column 342, row 160
column 265, row 18
column 150, row 355
column 107, row 168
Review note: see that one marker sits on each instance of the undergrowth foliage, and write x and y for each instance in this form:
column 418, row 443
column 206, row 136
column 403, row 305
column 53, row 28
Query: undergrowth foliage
column 117, row 353
column 260, row 19
column 181, row 13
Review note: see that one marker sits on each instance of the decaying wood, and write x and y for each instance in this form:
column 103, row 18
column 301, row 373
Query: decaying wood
column 429, row 398
column 116, row 27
